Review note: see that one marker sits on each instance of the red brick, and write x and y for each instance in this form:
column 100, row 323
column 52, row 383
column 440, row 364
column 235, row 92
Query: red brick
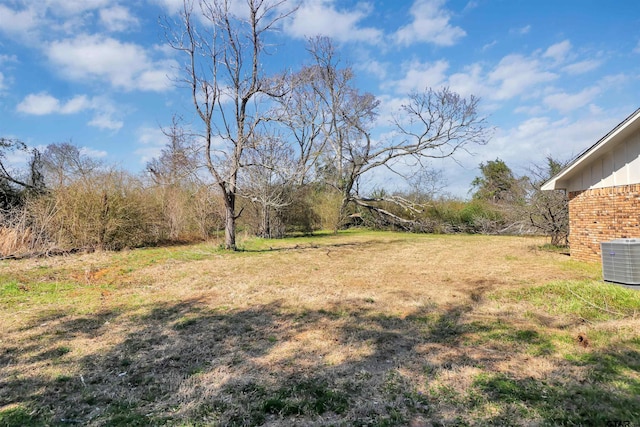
column 600, row 215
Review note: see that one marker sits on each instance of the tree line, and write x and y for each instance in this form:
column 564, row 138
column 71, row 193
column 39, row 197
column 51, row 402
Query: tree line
column 267, row 153
column 64, row 200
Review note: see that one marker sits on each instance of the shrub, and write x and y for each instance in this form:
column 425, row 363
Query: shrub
column 109, row 210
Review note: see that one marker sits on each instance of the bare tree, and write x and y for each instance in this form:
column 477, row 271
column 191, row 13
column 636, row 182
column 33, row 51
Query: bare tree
column 223, row 72
column 174, row 174
column 14, row 184
column 272, row 173
column 300, row 112
column 65, row 163
column 426, row 184
column 548, row 211
column 283, row 158
column 177, row 161
column 432, row 124
column 346, row 117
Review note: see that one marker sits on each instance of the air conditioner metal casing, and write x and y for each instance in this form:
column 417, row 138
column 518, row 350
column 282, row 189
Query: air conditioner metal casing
column 621, row 261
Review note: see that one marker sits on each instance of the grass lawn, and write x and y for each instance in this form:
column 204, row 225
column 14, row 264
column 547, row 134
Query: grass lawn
column 356, row 329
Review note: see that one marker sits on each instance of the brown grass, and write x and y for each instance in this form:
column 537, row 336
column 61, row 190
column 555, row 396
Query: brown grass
column 354, row 329
column 14, row 241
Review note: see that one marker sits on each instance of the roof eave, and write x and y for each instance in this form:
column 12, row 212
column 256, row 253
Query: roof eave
column 560, row 181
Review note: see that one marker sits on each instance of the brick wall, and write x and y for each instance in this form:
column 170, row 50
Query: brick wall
column 602, row 214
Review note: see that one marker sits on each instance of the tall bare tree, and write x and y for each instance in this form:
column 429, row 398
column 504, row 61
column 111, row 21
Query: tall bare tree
column 223, row 72
column 285, row 153
column 432, row 124
column 301, row 114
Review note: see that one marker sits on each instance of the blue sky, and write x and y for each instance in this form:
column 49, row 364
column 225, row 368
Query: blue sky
column 553, row 76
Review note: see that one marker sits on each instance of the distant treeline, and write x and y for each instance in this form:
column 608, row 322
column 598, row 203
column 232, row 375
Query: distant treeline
column 64, row 200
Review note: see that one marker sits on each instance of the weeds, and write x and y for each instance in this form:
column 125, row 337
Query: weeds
column 588, row 299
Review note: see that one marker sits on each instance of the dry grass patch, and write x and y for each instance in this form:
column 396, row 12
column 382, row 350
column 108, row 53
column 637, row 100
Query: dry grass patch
column 360, row 328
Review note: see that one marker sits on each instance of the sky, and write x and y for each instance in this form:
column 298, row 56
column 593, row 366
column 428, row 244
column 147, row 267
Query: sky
column 553, row 76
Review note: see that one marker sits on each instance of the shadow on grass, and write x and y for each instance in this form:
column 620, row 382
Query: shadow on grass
column 190, row 364
column 607, row 397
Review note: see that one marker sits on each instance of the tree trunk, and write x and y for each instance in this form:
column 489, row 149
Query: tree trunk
column 230, row 222
column 341, row 215
column 559, row 239
column 265, row 231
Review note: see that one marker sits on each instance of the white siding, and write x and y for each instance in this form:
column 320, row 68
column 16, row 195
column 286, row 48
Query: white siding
column 618, row 166
column 633, row 153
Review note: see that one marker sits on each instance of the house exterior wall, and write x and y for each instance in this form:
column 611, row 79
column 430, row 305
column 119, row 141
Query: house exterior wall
column 602, row 214
column 618, row 166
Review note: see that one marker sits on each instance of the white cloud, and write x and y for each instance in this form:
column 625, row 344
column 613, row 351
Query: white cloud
column 420, row 75
column 522, row 30
column 471, row 5
column 582, row 67
column 470, row 82
column 558, row 51
column 4, row 81
column 31, row 21
column 322, row 18
column 516, row 74
column 542, row 136
column 430, row 25
column 18, row 22
column 236, row 7
column 124, row 65
column 615, row 81
column 94, row 154
column 117, row 18
column 489, row 45
column 388, row 110
column 74, row 7
column 107, row 116
column 171, row 6
column 565, row 102
column 531, row 110
column 40, row 104
column 151, row 136
column 8, row 58
column 151, row 140
column 105, row 121
column 75, row 105
column 3, row 85
column 373, row 67
column 156, row 79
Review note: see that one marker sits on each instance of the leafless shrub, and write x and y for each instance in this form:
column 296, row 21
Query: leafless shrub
column 21, row 235
column 108, row 210
column 15, row 237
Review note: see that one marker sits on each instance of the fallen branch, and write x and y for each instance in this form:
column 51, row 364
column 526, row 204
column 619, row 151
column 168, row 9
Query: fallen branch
column 47, row 253
column 404, row 223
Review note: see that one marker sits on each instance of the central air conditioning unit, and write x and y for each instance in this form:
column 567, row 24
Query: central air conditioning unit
column 621, row 261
